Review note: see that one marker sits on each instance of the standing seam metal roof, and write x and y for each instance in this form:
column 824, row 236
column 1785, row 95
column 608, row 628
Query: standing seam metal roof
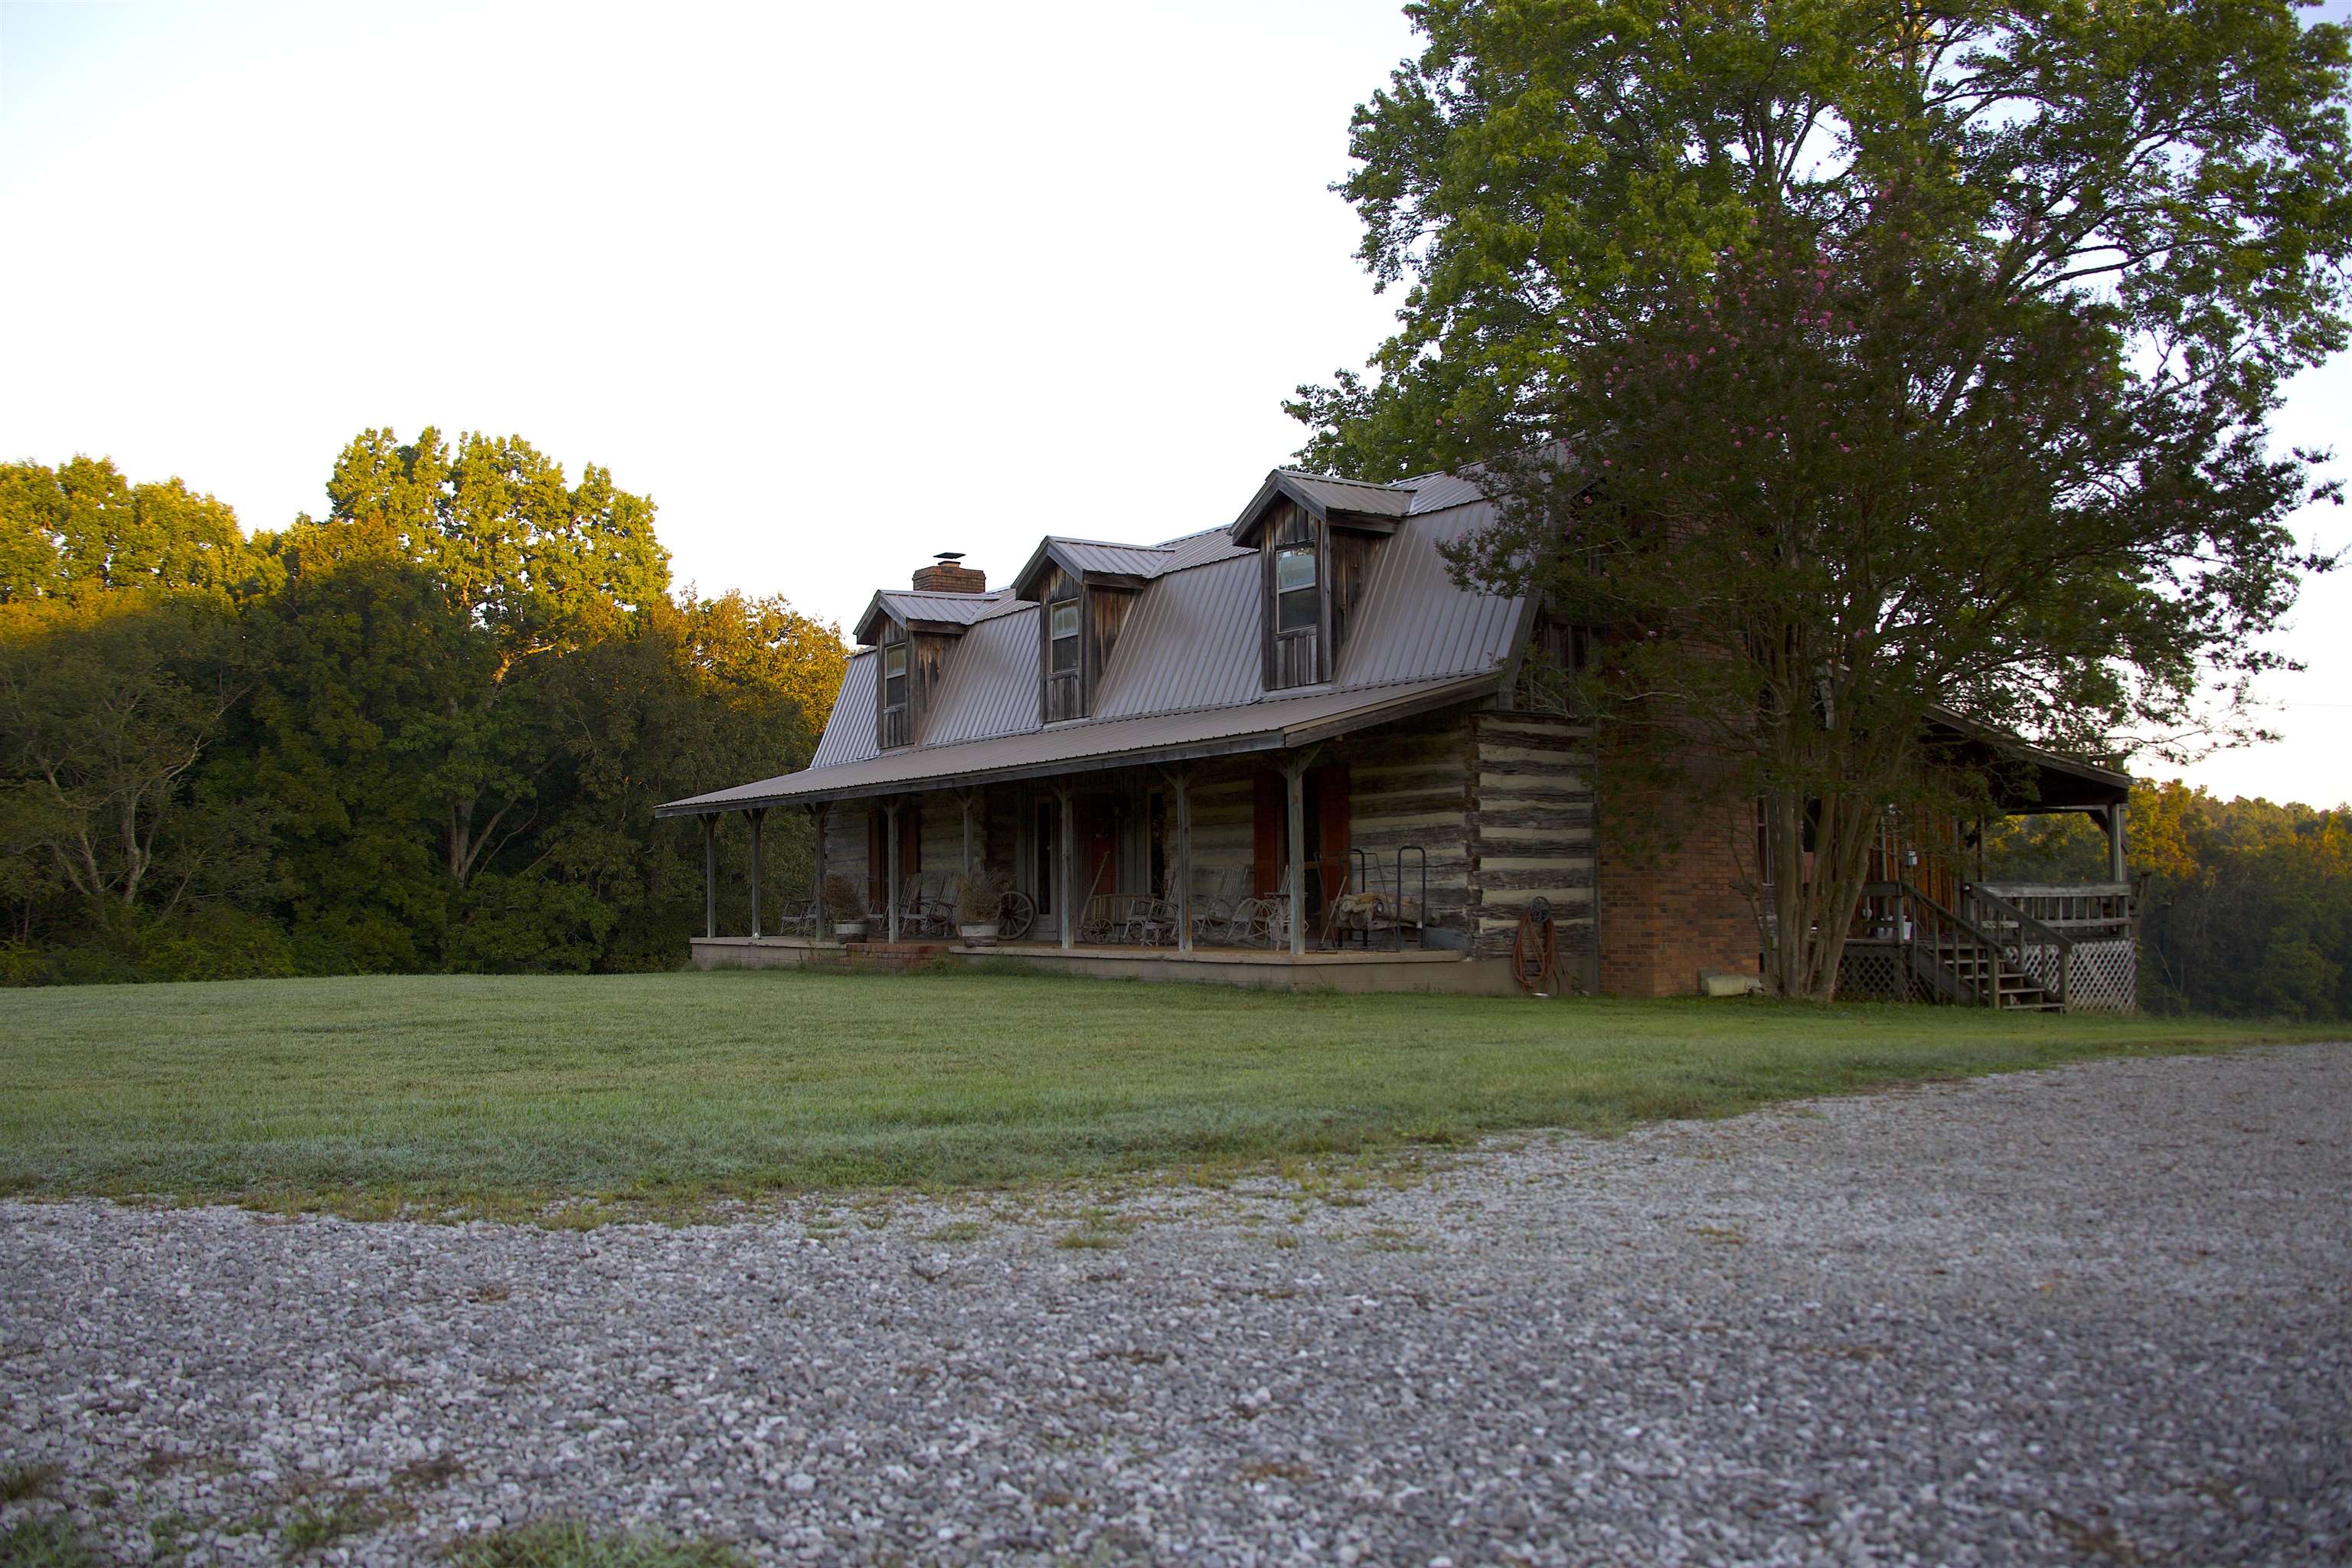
column 1189, row 648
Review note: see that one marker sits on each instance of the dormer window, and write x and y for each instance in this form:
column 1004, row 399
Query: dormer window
column 1296, row 647
column 895, row 729
column 1064, row 650
column 1296, row 609
column 1316, row 537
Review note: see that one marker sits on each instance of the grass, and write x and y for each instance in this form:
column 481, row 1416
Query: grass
column 578, row 1098
column 564, row 1544
column 43, row 1543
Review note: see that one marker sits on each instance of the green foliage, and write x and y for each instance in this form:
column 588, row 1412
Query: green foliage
column 1845, row 360
column 425, row 731
column 563, row 1543
column 49, row 1543
column 2247, row 907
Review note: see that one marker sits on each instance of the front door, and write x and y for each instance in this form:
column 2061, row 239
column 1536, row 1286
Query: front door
column 1096, row 859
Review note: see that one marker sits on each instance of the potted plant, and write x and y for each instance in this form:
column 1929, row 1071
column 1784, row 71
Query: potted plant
column 846, row 907
column 980, row 905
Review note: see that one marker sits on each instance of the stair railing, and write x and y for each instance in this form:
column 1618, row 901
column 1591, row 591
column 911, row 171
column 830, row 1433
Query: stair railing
column 1925, row 923
column 1993, row 911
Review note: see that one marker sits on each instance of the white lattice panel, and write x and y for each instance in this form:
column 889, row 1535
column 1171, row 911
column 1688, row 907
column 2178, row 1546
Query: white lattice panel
column 1871, row 973
column 2104, row 977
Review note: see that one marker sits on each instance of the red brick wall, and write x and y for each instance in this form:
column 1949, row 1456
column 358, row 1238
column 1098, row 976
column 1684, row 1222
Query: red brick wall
column 1667, row 878
column 948, row 577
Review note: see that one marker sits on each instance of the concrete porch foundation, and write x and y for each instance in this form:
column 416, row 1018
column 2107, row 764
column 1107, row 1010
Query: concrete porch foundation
column 1449, row 973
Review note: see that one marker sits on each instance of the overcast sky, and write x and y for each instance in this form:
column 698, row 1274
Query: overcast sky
column 838, row 289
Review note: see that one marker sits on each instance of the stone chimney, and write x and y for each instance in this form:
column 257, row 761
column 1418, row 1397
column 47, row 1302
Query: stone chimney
column 946, row 574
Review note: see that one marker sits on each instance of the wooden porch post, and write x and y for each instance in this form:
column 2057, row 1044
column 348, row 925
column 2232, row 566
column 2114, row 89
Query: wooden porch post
column 823, row 922
column 711, row 874
column 1064, row 854
column 2118, row 865
column 755, row 816
column 965, row 798
column 890, row 863
column 1294, row 775
column 1179, row 784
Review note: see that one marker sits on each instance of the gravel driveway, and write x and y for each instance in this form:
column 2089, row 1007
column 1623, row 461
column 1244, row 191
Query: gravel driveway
column 2098, row 1315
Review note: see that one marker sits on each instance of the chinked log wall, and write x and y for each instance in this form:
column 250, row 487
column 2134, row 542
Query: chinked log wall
column 1530, row 832
column 1502, row 803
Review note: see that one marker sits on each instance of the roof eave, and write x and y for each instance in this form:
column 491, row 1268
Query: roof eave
column 1280, row 485
column 1469, row 689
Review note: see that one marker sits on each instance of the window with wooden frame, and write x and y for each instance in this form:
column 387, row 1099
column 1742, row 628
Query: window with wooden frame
column 1064, row 658
column 1296, row 638
column 892, row 686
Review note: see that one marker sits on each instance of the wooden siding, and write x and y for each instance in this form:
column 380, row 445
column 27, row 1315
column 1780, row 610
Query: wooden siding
column 1349, row 556
column 845, row 843
column 1531, row 830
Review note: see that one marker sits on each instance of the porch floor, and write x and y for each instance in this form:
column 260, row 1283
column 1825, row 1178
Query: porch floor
column 1350, row 970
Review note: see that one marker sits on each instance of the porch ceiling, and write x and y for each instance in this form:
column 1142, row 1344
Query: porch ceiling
column 2028, row 780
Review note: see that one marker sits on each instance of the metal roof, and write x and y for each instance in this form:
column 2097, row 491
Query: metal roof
column 989, row 687
column 1078, row 748
column 1185, row 671
column 1323, row 496
column 903, row 605
column 849, row 728
column 1197, row 548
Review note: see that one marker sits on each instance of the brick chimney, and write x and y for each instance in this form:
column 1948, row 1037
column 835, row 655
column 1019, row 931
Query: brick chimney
column 946, row 574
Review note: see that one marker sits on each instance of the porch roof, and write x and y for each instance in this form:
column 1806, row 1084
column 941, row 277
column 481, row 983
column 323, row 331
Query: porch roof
column 2027, row 780
column 1272, row 724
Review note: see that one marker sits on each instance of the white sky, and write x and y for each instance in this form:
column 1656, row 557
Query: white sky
column 838, row 287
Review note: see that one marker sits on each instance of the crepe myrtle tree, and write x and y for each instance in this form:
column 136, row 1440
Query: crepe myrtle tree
column 1848, row 362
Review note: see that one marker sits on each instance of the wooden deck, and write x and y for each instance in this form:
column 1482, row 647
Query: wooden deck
column 1344, row 971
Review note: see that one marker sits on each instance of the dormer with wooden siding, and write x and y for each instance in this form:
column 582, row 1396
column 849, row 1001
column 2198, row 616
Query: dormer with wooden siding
column 1085, row 590
column 1316, row 537
column 913, row 635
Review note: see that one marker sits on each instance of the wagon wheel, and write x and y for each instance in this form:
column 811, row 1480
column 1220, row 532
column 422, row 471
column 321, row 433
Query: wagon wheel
column 1013, row 920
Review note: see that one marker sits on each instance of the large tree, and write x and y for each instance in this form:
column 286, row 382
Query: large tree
column 1851, row 359
column 529, row 565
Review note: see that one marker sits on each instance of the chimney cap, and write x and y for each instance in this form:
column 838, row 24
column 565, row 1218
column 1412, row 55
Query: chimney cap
column 949, row 555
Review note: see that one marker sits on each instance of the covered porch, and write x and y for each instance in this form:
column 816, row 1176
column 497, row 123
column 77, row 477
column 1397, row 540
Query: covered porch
column 1250, row 858
column 1927, row 932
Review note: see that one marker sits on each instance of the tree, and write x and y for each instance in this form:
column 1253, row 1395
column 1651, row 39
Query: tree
column 530, row 565
column 1847, row 361
column 80, row 530
column 106, row 708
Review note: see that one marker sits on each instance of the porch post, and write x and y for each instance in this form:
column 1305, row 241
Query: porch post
column 1179, row 783
column 890, row 863
column 818, row 926
column 1294, row 775
column 754, row 815
column 2118, row 867
column 711, row 874
column 965, row 798
column 1064, row 854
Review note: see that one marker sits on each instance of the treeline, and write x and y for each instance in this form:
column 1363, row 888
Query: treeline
column 2248, row 909
column 425, row 731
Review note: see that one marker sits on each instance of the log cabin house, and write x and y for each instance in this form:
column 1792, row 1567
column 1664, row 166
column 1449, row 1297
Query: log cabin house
column 1292, row 752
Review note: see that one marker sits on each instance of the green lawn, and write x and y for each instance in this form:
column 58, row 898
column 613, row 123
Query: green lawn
column 495, row 1094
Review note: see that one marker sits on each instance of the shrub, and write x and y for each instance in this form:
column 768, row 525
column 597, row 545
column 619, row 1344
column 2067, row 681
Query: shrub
column 842, row 901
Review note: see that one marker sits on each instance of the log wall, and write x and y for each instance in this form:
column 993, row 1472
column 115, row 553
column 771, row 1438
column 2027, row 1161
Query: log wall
column 1530, row 833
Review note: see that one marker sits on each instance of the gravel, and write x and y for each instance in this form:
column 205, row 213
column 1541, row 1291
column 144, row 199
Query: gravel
column 2096, row 1315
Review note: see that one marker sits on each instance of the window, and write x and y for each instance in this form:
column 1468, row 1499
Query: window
column 1294, row 589
column 896, row 731
column 1063, row 672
